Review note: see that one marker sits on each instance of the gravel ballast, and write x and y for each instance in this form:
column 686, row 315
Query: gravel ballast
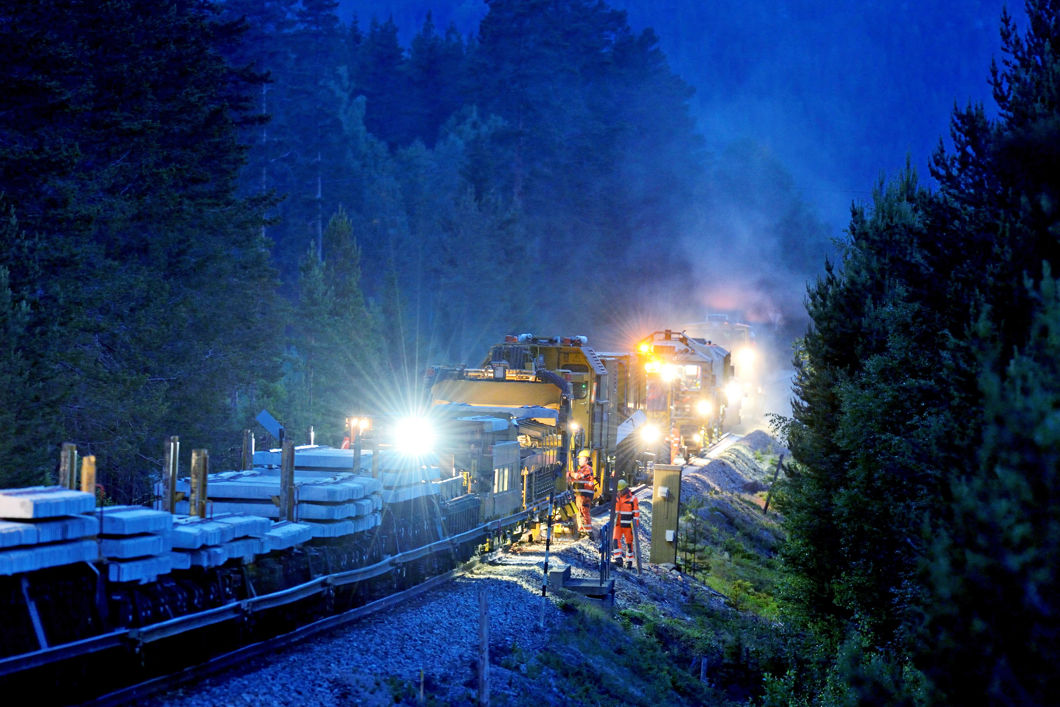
column 431, row 642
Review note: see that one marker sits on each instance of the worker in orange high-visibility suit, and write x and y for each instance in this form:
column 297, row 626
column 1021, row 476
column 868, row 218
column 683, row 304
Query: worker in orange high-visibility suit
column 627, row 520
column 583, row 484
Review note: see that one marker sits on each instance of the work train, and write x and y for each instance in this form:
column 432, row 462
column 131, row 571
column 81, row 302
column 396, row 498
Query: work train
column 99, row 598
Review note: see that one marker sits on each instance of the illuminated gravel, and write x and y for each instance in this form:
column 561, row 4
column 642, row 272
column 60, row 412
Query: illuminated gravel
column 433, row 640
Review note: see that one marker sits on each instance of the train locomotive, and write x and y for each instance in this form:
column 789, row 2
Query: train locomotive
column 688, row 383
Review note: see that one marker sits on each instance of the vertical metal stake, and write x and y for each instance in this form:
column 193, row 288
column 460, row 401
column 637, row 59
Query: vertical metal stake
column 200, row 464
column 287, row 481
column 247, row 457
column 34, row 616
column 68, row 465
column 169, row 501
column 88, row 474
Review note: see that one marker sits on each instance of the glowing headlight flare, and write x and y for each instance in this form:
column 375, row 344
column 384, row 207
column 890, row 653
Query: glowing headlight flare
column 698, row 438
column 652, row 366
column 745, row 359
column 669, row 372
column 650, row 434
column 734, row 392
column 359, row 424
column 414, row 436
column 704, row 407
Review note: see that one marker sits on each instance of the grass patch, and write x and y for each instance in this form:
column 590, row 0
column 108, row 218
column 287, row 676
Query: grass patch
column 731, row 562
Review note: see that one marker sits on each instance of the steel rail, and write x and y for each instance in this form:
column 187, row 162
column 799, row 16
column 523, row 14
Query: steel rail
column 219, row 664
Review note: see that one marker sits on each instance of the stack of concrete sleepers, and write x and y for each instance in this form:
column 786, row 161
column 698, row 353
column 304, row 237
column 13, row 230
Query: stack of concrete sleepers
column 315, row 458
column 286, row 534
column 46, row 526
column 404, row 482
column 211, row 542
column 403, row 478
column 135, row 542
column 332, row 505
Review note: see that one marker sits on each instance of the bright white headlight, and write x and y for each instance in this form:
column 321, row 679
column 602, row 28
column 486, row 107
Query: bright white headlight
column 649, row 434
column 414, row 436
column 704, row 408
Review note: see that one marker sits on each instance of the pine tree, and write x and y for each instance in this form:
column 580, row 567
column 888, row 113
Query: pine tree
column 434, row 71
column 27, row 408
column 991, row 630
column 334, row 350
column 380, row 77
column 589, row 111
column 863, row 422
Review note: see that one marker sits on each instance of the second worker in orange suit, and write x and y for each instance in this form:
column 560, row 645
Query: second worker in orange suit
column 627, row 519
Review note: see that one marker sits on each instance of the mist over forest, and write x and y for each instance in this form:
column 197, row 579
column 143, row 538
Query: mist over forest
column 827, row 87
column 818, row 100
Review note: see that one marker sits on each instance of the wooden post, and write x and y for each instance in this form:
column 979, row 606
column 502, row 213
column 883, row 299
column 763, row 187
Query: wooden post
column 172, row 469
column 483, row 649
column 68, row 465
column 769, row 494
column 247, row 457
column 544, row 578
column 636, row 541
column 88, row 474
column 200, row 467
column 287, row 481
column 608, row 546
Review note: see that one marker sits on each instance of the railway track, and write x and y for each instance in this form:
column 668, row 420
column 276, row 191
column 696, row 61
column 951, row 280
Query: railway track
column 222, row 663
